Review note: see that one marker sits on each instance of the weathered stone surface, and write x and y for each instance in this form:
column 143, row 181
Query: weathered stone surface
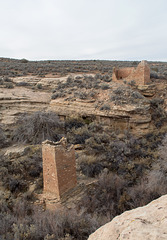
column 30, row 80
column 147, row 223
column 16, row 151
column 19, row 100
column 147, row 90
column 51, row 82
column 141, row 74
column 125, row 116
column 134, row 117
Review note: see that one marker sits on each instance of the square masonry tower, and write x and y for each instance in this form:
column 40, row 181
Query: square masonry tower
column 59, row 167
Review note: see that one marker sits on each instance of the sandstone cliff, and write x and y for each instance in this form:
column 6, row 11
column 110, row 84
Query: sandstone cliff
column 117, row 105
column 147, row 223
column 18, row 100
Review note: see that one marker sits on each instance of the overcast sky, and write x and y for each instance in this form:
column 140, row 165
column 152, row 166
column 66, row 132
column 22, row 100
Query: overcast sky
column 84, row 29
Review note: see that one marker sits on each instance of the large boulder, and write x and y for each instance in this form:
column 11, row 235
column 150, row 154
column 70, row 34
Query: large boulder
column 146, row 223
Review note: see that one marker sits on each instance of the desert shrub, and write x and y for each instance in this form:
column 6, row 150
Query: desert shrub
column 155, row 102
column 7, row 79
column 165, row 74
column 24, row 60
column 73, row 123
column 134, row 63
column 78, row 77
column 158, row 114
column 97, row 76
column 152, row 186
column 91, row 169
column 3, row 140
column 39, row 86
column 95, row 85
column 93, row 146
column 81, row 95
column 70, row 79
column 128, row 156
column 22, row 84
column 35, row 172
column 17, row 172
column 125, row 95
column 9, row 85
column 78, row 81
column 61, row 223
column 79, row 135
column 88, row 78
column 140, row 195
column 57, row 95
column 154, row 69
column 107, row 78
column 162, row 162
column 27, row 222
column 37, row 127
column 105, row 86
column 105, row 107
column 157, row 180
column 1, row 81
column 118, row 90
column 33, row 164
column 95, row 127
column 92, row 94
column 154, row 75
column 107, row 197
column 132, row 83
column 17, row 185
column 136, row 95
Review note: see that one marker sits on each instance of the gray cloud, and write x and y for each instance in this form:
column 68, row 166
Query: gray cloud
column 82, row 29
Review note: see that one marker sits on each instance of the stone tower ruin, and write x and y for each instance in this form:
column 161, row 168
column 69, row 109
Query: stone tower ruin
column 59, row 168
column 140, row 74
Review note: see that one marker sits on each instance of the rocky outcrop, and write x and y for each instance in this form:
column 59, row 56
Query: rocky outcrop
column 147, row 223
column 118, row 106
column 133, row 117
column 147, row 90
column 18, row 100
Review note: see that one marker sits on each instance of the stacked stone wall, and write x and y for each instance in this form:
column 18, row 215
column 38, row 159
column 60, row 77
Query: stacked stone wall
column 141, row 74
column 59, row 168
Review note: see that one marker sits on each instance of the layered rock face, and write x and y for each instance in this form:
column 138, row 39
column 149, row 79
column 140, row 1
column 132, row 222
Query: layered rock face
column 19, row 100
column 120, row 108
column 117, row 106
column 147, row 223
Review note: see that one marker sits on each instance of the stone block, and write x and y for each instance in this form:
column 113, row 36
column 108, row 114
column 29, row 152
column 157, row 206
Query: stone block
column 59, row 167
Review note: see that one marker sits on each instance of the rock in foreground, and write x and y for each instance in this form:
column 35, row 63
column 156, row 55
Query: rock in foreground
column 146, row 223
